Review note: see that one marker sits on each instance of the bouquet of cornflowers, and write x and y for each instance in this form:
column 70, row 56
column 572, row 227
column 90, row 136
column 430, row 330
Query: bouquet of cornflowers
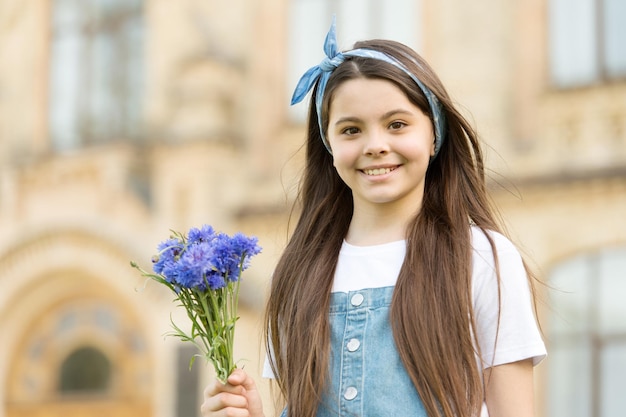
column 203, row 269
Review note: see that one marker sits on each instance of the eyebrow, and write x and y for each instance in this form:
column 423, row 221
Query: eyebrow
column 350, row 119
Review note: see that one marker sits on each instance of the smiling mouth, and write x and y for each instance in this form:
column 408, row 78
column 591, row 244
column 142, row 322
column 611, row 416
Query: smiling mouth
column 378, row 171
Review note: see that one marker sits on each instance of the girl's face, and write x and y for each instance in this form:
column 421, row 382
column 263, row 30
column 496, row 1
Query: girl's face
column 381, row 144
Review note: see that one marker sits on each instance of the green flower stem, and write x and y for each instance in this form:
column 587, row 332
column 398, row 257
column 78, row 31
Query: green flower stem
column 213, row 314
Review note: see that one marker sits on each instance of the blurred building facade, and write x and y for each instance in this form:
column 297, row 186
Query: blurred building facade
column 123, row 119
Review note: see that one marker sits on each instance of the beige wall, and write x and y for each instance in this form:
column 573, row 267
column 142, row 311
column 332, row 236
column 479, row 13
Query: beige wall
column 221, row 150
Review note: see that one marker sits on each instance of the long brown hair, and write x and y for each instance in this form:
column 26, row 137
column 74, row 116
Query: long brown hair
column 432, row 300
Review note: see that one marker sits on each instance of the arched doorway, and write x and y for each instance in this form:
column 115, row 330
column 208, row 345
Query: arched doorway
column 83, row 356
column 85, row 371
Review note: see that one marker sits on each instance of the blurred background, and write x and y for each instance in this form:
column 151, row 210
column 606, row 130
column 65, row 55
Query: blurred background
column 123, row 119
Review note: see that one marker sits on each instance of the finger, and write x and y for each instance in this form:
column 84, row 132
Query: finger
column 224, row 412
column 216, row 387
column 251, row 393
column 225, row 400
column 240, row 378
column 237, row 377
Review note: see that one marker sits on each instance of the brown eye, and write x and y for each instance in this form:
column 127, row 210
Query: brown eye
column 350, row 131
column 396, row 125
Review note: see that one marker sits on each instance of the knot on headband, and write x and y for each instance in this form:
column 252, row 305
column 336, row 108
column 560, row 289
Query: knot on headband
column 321, row 73
column 329, row 64
column 333, row 59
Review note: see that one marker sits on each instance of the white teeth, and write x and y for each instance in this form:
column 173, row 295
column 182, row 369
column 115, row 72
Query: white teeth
column 378, row 171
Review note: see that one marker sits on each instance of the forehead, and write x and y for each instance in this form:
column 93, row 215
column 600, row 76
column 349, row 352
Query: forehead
column 367, row 95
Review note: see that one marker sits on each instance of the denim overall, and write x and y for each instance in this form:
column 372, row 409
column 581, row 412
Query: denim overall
column 368, row 378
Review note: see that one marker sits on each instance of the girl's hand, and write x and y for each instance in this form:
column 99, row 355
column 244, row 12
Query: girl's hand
column 239, row 397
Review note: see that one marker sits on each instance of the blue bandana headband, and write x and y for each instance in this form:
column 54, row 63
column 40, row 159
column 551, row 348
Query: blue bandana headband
column 334, row 58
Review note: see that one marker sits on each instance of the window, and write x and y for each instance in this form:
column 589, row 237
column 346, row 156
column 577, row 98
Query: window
column 86, row 370
column 586, row 41
column 587, row 366
column 95, row 71
column 356, row 20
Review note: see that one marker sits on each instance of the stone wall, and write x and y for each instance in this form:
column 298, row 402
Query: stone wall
column 219, row 148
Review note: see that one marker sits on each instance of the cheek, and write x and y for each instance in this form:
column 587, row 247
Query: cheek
column 336, row 152
column 342, row 157
column 343, row 166
column 337, row 163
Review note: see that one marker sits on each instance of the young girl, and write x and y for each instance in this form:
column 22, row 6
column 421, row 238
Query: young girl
column 396, row 295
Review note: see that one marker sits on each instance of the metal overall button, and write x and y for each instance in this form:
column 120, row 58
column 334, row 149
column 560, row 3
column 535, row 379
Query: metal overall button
column 357, row 300
column 350, row 393
column 353, row 345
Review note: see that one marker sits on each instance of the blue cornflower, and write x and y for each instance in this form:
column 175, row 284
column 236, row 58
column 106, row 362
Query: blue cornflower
column 204, row 234
column 225, row 260
column 192, row 265
column 215, row 280
column 242, row 244
column 170, row 271
column 168, row 252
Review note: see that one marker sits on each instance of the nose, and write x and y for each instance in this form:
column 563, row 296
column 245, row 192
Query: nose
column 376, row 144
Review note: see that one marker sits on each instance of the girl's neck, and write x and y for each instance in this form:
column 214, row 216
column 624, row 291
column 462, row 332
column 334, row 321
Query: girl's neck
column 368, row 228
